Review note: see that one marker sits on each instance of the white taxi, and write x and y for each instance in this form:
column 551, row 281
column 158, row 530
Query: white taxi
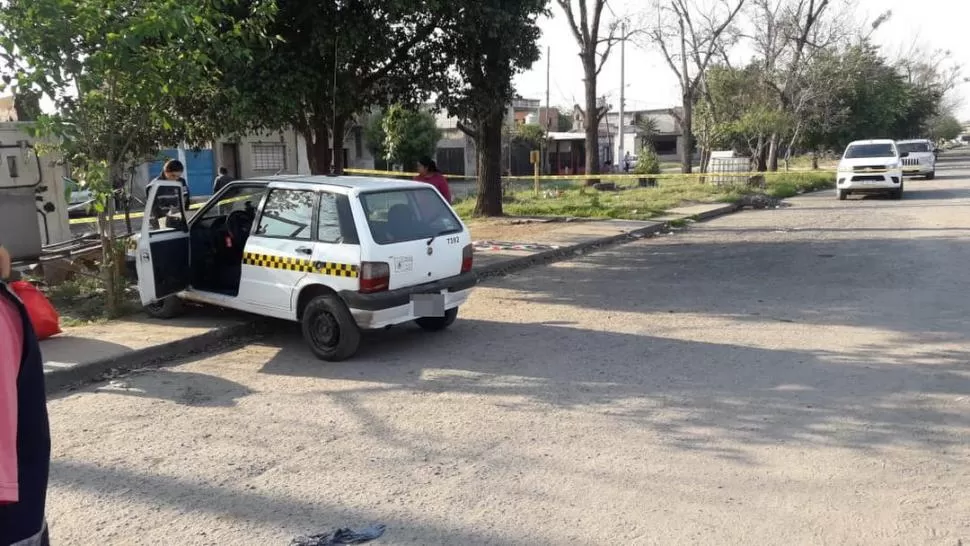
column 338, row 254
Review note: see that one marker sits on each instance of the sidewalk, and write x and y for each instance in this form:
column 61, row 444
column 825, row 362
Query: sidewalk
column 88, row 353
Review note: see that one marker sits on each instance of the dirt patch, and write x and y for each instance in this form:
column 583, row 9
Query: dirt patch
column 519, row 230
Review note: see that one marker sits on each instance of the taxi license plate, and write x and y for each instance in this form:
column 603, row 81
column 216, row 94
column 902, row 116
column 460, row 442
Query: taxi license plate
column 428, row 305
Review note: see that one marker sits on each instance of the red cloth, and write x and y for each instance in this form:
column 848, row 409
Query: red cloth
column 439, row 181
column 42, row 314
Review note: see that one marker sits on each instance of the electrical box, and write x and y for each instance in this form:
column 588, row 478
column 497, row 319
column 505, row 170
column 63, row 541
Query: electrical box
column 33, row 204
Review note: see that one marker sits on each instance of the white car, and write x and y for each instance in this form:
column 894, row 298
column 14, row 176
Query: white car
column 338, row 254
column 920, row 158
column 870, row 166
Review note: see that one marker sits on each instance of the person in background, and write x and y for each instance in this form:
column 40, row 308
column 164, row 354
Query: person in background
column 172, row 171
column 25, row 445
column 428, row 173
column 221, row 180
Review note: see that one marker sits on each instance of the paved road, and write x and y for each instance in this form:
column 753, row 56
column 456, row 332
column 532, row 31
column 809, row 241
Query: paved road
column 793, row 376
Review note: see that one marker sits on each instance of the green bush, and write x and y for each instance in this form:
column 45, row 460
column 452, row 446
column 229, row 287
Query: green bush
column 647, row 161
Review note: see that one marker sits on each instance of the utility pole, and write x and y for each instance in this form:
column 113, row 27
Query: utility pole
column 620, row 155
column 545, row 154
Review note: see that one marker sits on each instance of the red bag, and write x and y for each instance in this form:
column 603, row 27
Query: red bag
column 42, row 314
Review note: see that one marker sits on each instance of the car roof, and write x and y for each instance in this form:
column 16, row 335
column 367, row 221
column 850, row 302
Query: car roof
column 349, row 184
column 874, row 141
column 914, row 141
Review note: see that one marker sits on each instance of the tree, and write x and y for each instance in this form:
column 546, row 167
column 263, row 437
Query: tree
column 945, row 127
column 116, row 71
column 487, row 42
column 690, row 38
column 409, row 135
column 594, row 49
column 530, row 134
column 648, row 127
column 334, row 62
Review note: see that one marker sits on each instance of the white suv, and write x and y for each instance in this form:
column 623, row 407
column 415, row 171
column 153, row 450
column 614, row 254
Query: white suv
column 919, row 159
column 337, row 254
column 870, row 166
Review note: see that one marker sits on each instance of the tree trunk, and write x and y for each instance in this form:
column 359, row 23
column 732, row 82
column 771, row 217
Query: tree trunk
column 317, row 139
column 773, row 144
column 687, row 130
column 338, row 145
column 592, row 122
column 488, row 148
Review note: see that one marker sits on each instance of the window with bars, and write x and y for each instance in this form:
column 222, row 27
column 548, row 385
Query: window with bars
column 269, row 157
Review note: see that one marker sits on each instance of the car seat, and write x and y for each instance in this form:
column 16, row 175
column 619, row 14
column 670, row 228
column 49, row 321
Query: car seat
column 400, row 222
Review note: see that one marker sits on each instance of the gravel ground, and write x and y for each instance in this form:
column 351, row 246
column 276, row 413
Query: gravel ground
column 790, row 376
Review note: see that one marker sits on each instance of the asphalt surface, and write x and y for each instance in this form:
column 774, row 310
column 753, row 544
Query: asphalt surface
column 789, row 376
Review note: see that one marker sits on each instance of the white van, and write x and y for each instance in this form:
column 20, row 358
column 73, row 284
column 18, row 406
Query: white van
column 337, row 254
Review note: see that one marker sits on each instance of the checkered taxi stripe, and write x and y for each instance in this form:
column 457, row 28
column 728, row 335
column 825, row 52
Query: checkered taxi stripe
column 300, row 264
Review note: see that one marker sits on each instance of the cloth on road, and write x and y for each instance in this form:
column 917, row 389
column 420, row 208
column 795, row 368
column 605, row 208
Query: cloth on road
column 341, row 536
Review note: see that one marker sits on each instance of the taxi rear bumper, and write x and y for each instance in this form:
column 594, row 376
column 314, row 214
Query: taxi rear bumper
column 382, row 309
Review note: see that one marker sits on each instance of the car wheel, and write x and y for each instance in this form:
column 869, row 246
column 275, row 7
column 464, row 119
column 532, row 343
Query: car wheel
column 843, row 195
column 931, row 175
column 898, row 193
column 437, row 324
column 166, row 308
column 329, row 328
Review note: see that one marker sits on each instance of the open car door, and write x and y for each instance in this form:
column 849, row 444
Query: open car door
column 162, row 256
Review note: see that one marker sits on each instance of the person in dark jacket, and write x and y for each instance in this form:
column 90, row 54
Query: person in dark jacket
column 172, row 171
column 25, row 445
column 221, row 180
column 428, row 173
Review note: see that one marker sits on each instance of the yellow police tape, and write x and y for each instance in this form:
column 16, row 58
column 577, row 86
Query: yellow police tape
column 604, row 176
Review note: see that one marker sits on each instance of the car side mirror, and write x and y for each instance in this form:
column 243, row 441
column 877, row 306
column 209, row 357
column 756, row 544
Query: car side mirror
column 904, row 154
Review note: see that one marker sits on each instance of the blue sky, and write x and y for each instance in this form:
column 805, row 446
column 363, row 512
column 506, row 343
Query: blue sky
column 931, row 24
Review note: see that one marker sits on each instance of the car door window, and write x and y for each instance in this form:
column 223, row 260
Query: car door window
column 328, row 227
column 287, row 214
column 238, row 198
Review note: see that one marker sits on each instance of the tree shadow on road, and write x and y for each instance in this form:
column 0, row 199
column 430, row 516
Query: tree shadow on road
column 912, row 286
column 716, row 398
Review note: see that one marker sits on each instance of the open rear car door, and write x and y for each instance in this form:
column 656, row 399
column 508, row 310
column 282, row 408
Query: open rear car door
column 162, row 256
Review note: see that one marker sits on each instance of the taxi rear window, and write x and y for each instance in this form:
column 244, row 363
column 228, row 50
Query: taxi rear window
column 396, row 216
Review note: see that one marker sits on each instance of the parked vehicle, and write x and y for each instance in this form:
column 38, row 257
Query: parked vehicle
column 920, row 159
column 337, row 254
column 79, row 201
column 870, row 166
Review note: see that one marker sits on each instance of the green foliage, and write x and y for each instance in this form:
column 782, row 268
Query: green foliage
column 564, row 121
column 530, row 134
column 486, row 42
column 647, row 161
column 945, row 127
column 117, row 72
column 335, row 61
column 409, row 135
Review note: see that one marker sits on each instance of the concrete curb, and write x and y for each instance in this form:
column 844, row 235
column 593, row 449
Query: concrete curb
column 158, row 355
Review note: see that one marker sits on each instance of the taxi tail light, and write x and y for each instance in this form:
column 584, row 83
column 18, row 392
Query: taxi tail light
column 467, row 254
column 374, row 277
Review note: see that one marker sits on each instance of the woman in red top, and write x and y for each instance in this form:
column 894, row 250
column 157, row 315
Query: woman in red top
column 428, row 173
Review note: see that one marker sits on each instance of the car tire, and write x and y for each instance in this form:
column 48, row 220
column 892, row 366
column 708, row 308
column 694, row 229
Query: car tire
column 437, row 324
column 329, row 328
column 843, row 195
column 898, row 193
column 166, row 308
column 931, row 175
